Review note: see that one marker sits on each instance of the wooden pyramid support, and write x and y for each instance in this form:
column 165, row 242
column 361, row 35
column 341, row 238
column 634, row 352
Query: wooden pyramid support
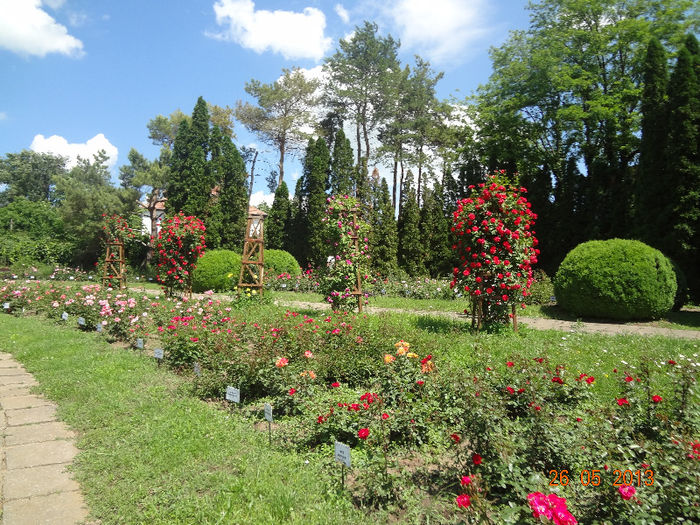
column 253, row 260
column 115, row 264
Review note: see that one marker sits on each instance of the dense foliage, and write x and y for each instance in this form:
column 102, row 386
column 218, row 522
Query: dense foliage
column 217, row 270
column 179, row 245
column 496, row 246
column 616, row 279
column 279, row 261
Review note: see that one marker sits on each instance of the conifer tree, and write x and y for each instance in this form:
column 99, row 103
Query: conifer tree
column 277, row 222
column 434, row 233
column 228, row 171
column 296, row 233
column 316, row 175
column 651, row 195
column 383, row 235
column 342, row 171
column 684, row 168
column 410, row 251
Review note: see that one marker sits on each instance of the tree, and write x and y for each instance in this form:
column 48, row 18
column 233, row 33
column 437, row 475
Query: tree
column 282, row 112
column 315, row 186
column 190, row 185
column 342, row 180
column 434, row 233
column 360, row 75
column 649, row 198
column 277, row 222
column 83, row 195
column 30, row 175
column 683, row 211
column 383, row 234
column 231, row 201
column 410, row 249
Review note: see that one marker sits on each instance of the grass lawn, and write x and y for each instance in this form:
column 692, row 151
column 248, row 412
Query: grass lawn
column 152, row 453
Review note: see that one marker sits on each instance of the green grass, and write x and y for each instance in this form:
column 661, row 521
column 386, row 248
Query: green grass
column 151, row 453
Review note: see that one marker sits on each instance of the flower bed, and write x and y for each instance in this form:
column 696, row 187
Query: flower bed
column 505, row 440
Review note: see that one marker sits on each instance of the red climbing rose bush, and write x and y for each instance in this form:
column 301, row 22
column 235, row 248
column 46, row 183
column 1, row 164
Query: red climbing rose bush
column 180, row 242
column 496, row 247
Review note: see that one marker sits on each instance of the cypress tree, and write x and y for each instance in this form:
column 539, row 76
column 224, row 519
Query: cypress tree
column 342, row 171
column 684, row 168
column 277, row 222
column 434, row 233
column 229, row 170
column 651, row 192
column 384, row 236
column 410, row 250
column 316, row 174
column 296, row 233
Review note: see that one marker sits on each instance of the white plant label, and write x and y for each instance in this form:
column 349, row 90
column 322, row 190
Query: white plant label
column 342, row 453
column 139, row 343
column 197, row 369
column 6, row 306
column 81, row 321
column 158, row 353
column 233, row 394
column 64, row 316
column 268, row 412
column 98, row 327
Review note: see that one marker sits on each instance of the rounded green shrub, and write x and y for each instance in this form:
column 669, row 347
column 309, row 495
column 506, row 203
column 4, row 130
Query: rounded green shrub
column 279, row 261
column 218, row 270
column 615, row 279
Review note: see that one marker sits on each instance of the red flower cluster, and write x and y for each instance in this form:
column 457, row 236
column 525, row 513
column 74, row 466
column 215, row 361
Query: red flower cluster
column 495, row 243
column 179, row 244
column 551, row 507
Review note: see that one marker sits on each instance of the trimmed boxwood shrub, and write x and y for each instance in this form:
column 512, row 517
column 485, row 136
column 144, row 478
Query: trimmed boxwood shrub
column 615, row 279
column 218, row 270
column 280, row 261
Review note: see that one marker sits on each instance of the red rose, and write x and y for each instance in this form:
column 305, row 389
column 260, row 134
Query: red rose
column 657, row 399
column 363, row 433
column 476, row 458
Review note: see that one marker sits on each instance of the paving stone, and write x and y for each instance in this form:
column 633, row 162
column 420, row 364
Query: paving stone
column 24, row 379
column 12, row 371
column 14, row 391
column 25, row 416
column 37, row 433
column 36, row 454
column 64, row 508
column 11, row 403
column 37, row 481
column 9, row 363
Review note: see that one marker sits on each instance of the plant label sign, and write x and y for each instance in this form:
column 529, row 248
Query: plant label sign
column 139, row 343
column 342, row 453
column 158, row 353
column 268, row 412
column 197, row 370
column 81, row 321
column 6, row 306
column 233, row 394
column 64, row 316
column 98, row 327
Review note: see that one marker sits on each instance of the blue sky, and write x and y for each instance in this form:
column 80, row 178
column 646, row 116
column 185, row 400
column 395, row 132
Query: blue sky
column 81, row 75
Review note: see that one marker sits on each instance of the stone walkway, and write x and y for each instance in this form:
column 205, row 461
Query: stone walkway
column 35, row 449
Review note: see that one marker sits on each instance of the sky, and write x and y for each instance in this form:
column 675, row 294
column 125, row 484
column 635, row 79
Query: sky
column 78, row 76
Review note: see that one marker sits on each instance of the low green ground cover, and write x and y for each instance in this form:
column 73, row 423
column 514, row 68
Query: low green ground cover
column 424, row 401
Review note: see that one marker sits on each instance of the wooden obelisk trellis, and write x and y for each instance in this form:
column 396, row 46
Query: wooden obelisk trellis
column 357, row 292
column 253, row 260
column 115, row 264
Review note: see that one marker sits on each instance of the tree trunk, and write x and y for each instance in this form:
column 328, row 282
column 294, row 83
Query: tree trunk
column 393, row 190
column 359, row 144
column 281, row 165
column 252, row 175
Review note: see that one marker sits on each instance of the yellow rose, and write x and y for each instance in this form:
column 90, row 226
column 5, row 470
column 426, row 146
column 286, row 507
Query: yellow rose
column 388, row 358
column 412, row 355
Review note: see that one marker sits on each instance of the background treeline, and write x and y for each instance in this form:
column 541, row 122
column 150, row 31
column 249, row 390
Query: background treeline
column 596, row 106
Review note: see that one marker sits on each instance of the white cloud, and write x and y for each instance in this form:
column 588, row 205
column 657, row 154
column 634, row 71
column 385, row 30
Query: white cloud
column 54, row 4
column 3, row 115
column 441, row 30
column 57, row 145
column 27, row 29
column 291, row 34
column 260, row 196
column 77, row 19
column 342, row 13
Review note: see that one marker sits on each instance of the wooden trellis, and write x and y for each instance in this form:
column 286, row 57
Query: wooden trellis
column 115, row 264
column 253, row 260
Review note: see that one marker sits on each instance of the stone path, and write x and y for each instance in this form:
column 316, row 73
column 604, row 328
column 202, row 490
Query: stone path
column 35, row 449
column 538, row 323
